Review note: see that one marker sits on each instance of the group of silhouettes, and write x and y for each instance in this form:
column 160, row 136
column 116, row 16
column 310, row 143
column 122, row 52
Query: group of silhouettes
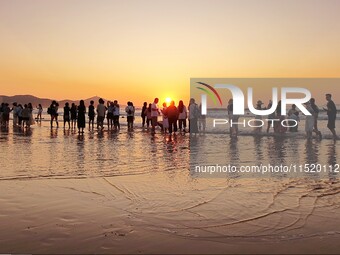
column 174, row 118
column 170, row 118
column 293, row 119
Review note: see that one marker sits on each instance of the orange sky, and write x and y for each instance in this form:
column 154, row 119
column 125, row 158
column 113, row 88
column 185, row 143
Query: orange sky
column 136, row 50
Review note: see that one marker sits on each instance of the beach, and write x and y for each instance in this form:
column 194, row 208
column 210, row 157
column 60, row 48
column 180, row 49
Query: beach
column 215, row 127
column 169, row 213
column 133, row 192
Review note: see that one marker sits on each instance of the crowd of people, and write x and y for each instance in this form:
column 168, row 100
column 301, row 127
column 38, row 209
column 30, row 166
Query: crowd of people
column 276, row 118
column 22, row 115
column 74, row 116
column 173, row 118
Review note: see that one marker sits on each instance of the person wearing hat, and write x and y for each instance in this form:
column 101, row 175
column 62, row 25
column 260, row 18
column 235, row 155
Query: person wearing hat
column 331, row 113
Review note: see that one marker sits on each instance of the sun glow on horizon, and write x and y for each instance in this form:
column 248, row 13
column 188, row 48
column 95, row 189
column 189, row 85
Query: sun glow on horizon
column 68, row 53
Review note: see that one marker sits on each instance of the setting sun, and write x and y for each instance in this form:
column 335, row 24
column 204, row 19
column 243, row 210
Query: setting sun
column 168, row 100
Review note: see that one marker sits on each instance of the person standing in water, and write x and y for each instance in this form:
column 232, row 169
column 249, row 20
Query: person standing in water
column 172, row 113
column 278, row 127
column 109, row 115
column 53, row 111
column 148, row 116
column 25, row 115
column 15, row 114
column 182, row 116
column 193, row 116
column 143, row 113
column 202, row 120
column 271, row 116
column 165, row 121
column 116, row 114
column 56, row 113
column 66, row 116
column 5, row 114
column 331, row 112
column 91, row 114
column 101, row 110
column 293, row 114
column 233, row 119
column 154, row 114
column 130, row 113
column 30, row 107
column 73, row 116
column 316, row 116
column 40, row 110
column 258, row 122
column 81, row 116
column 309, row 121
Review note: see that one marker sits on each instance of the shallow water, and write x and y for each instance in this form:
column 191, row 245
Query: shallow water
column 42, row 152
column 100, row 192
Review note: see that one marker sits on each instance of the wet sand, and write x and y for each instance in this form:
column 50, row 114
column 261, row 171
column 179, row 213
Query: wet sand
column 169, row 213
column 132, row 192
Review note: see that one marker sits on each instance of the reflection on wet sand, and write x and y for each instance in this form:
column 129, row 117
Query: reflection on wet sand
column 332, row 156
column 143, row 151
column 109, row 190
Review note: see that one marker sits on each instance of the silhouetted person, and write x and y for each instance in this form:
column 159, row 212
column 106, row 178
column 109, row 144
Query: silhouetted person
column 53, row 111
column 101, row 110
column 331, row 112
column 40, row 110
column 91, row 114
column 66, row 116
column 116, row 114
column 130, row 113
column 154, row 114
column 193, row 116
column 148, row 115
column 182, row 116
column 73, row 115
column 81, row 116
column 143, row 113
column 109, row 116
column 172, row 113
column 316, row 116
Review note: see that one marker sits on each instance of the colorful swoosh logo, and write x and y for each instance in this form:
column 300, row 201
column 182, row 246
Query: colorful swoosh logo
column 211, row 92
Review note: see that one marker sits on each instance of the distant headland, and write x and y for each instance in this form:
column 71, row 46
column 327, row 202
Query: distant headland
column 45, row 102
